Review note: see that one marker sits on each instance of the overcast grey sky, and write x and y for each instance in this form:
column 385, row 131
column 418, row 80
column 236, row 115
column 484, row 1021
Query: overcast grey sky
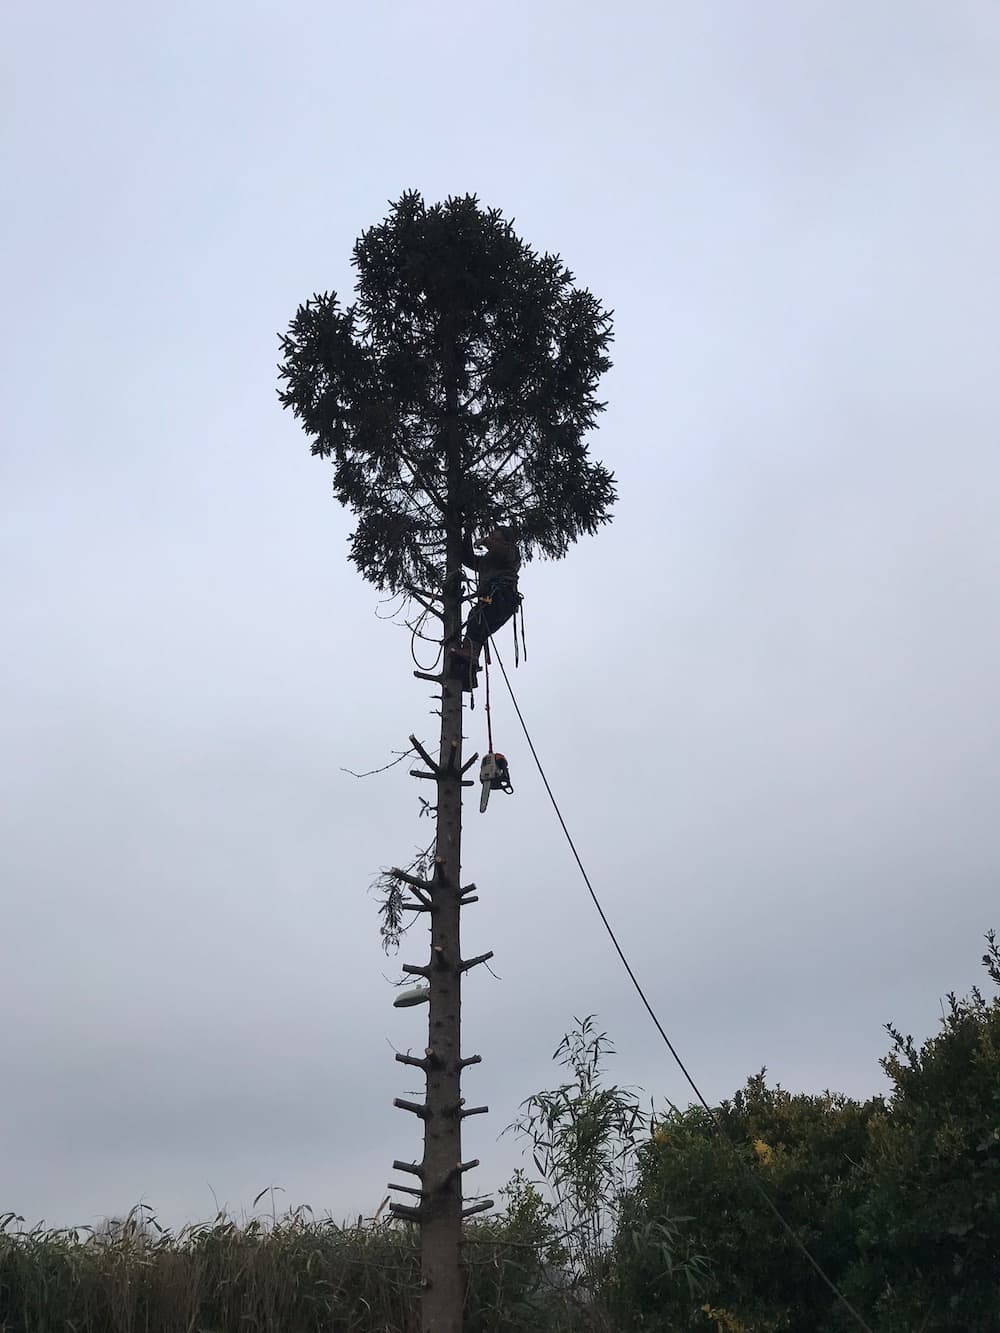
column 766, row 697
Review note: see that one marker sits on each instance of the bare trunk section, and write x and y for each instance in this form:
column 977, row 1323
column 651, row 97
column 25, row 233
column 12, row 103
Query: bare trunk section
column 442, row 1179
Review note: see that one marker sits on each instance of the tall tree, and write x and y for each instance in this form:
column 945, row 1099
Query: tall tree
column 455, row 393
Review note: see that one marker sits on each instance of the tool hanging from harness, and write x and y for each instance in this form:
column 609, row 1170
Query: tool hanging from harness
column 493, row 607
column 494, row 772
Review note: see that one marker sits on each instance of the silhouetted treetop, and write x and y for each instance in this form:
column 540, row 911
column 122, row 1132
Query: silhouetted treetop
column 457, row 389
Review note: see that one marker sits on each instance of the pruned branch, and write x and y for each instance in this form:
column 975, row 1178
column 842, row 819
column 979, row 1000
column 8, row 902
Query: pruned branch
column 418, row 1062
column 467, row 963
column 483, row 1207
column 415, row 1108
column 412, row 881
column 405, row 1189
column 432, row 764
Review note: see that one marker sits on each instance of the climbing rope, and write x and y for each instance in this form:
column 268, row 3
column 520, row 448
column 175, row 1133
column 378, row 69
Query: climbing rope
column 486, row 670
column 713, row 1118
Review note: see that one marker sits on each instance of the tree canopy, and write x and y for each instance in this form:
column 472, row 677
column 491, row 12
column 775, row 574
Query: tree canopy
column 457, row 325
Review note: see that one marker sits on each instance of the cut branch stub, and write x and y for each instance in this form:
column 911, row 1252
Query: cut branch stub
column 431, row 763
column 412, row 881
column 415, row 970
column 476, row 1208
column 417, row 1108
column 470, row 1060
column 405, row 1211
column 471, row 1110
column 417, row 1061
column 412, row 1168
column 405, row 1189
column 468, row 963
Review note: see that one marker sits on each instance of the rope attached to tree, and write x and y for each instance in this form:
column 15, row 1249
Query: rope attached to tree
column 489, row 720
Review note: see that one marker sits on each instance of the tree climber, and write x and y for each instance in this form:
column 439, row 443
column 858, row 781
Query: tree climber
column 498, row 597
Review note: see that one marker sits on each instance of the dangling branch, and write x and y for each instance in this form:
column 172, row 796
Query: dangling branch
column 392, row 884
column 430, row 610
column 401, row 755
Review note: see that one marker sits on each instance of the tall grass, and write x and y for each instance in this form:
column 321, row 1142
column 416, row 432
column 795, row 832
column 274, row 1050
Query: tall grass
column 296, row 1274
column 550, row 1262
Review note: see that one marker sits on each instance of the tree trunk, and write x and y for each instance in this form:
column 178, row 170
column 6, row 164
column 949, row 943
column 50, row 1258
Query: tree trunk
column 441, row 1181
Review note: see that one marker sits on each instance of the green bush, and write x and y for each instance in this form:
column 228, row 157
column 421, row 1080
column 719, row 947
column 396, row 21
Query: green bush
column 929, row 1224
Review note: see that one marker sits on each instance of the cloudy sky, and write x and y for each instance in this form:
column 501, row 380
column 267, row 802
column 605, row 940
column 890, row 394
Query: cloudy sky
column 766, row 697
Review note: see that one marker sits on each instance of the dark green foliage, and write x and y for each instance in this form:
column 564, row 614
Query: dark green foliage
column 929, row 1226
column 456, row 321
column 803, row 1149
column 898, row 1200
